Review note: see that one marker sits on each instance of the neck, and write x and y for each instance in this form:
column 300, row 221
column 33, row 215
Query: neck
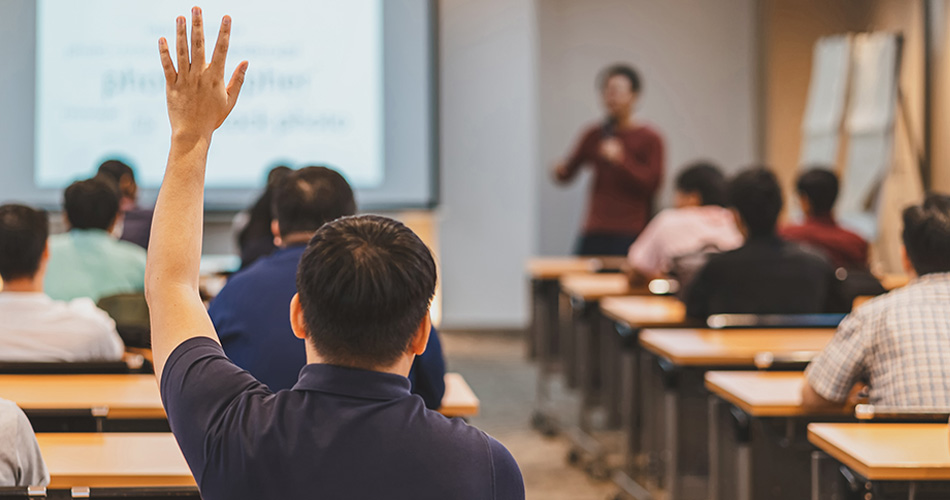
column 400, row 367
column 296, row 239
column 33, row 284
column 624, row 121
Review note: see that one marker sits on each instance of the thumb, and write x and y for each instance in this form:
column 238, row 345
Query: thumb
column 234, row 86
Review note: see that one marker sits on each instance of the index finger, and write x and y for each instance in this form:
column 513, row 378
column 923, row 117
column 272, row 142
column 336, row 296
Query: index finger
column 221, row 47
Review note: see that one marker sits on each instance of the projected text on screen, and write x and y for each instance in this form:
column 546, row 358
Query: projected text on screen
column 313, row 94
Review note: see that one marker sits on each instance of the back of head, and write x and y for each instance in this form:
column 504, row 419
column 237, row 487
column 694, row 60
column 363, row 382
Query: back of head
column 91, row 204
column 23, row 234
column 927, row 235
column 820, row 187
column 310, row 197
column 704, row 179
column 116, row 170
column 365, row 284
column 756, row 195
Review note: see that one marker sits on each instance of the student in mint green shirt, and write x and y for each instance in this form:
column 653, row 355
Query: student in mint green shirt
column 88, row 261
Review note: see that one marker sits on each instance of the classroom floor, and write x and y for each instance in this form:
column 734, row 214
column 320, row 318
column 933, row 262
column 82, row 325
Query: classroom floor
column 495, row 367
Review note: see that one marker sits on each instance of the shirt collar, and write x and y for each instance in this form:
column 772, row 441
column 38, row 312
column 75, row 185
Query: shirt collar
column 25, row 296
column 353, row 382
column 932, row 277
column 90, row 233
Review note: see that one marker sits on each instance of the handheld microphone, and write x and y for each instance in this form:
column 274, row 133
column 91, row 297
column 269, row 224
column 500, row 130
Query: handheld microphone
column 609, row 128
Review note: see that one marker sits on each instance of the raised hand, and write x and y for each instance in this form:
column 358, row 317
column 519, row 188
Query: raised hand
column 198, row 100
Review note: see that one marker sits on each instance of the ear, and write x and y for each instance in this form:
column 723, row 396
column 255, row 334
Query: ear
column 739, row 222
column 275, row 230
column 421, row 338
column 906, row 263
column 45, row 256
column 297, row 322
column 805, row 204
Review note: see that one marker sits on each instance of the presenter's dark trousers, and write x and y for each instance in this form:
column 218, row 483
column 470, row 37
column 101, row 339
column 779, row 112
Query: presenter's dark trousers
column 603, row 244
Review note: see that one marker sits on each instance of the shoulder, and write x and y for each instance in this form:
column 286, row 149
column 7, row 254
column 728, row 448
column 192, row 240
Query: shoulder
column 83, row 309
column 12, row 420
column 129, row 250
column 58, row 241
column 807, row 254
column 650, row 132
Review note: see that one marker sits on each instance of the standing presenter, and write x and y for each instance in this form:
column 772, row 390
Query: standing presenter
column 627, row 159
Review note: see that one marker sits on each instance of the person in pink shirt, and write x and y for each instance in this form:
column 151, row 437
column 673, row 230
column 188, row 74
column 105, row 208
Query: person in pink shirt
column 677, row 240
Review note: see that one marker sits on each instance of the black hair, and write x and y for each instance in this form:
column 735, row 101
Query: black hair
column 623, row 70
column 310, row 197
column 365, row 284
column 261, row 214
column 820, row 187
column 23, row 234
column 116, row 170
column 927, row 235
column 92, row 203
column 706, row 179
column 756, row 195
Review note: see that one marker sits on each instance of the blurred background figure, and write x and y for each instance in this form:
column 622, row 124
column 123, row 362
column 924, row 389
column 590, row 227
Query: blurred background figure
column 136, row 222
column 255, row 238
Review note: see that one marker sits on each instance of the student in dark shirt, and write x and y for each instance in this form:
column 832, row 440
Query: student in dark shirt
column 767, row 275
column 255, row 238
column 626, row 157
column 817, row 192
column 250, row 313
column 136, row 221
column 350, row 427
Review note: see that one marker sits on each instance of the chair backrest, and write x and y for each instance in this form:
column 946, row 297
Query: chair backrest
column 878, row 413
column 22, row 492
column 181, row 493
column 774, row 320
column 58, row 368
column 130, row 312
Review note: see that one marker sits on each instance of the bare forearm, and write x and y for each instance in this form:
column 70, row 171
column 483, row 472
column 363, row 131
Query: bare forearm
column 175, row 255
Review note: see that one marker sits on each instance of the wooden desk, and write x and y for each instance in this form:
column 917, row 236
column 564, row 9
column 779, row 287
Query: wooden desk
column 765, row 394
column 706, row 347
column 459, row 399
column 114, row 460
column 595, row 286
column 118, row 396
column 887, row 452
column 645, row 312
column 674, row 387
column 545, row 268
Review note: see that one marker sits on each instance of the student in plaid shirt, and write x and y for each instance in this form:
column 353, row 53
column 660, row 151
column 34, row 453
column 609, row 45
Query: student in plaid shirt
column 898, row 344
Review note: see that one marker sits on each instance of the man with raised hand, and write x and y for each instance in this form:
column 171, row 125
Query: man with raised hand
column 350, row 427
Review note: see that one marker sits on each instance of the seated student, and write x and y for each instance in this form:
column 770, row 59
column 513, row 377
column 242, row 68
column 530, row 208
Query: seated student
column 20, row 461
column 34, row 327
column 817, row 191
column 88, row 261
column 136, row 221
column 898, row 343
column 350, row 427
column 767, row 275
column 255, row 239
column 251, row 312
column 698, row 225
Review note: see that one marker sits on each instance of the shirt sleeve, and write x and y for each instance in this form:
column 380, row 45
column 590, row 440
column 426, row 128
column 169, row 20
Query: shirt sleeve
column 645, row 165
column 198, row 386
column 507, row 480
column 582, row 153
column 32, row 468
column 645, row 254
column 842, row 363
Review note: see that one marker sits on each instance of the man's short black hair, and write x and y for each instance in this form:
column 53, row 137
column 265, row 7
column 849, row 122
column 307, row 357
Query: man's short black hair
column 820, row 187
column 756, row 195
column 623, row 70
column 308, row 198
column 92, row 203
column 116, row 170
column 23, row 234
column 365, row 284
column 927, row 235
column 706, row 179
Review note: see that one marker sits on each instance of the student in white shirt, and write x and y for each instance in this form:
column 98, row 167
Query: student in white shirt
column 697, row 223
column 20, row 461
column 34, row 327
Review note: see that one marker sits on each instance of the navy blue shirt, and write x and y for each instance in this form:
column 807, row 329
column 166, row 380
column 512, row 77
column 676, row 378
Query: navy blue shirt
column 252, row 318
column 340, row 433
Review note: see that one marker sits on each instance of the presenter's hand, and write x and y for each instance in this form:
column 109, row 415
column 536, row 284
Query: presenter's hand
column 198, row 99
column 560, row 172
column 611, row 149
